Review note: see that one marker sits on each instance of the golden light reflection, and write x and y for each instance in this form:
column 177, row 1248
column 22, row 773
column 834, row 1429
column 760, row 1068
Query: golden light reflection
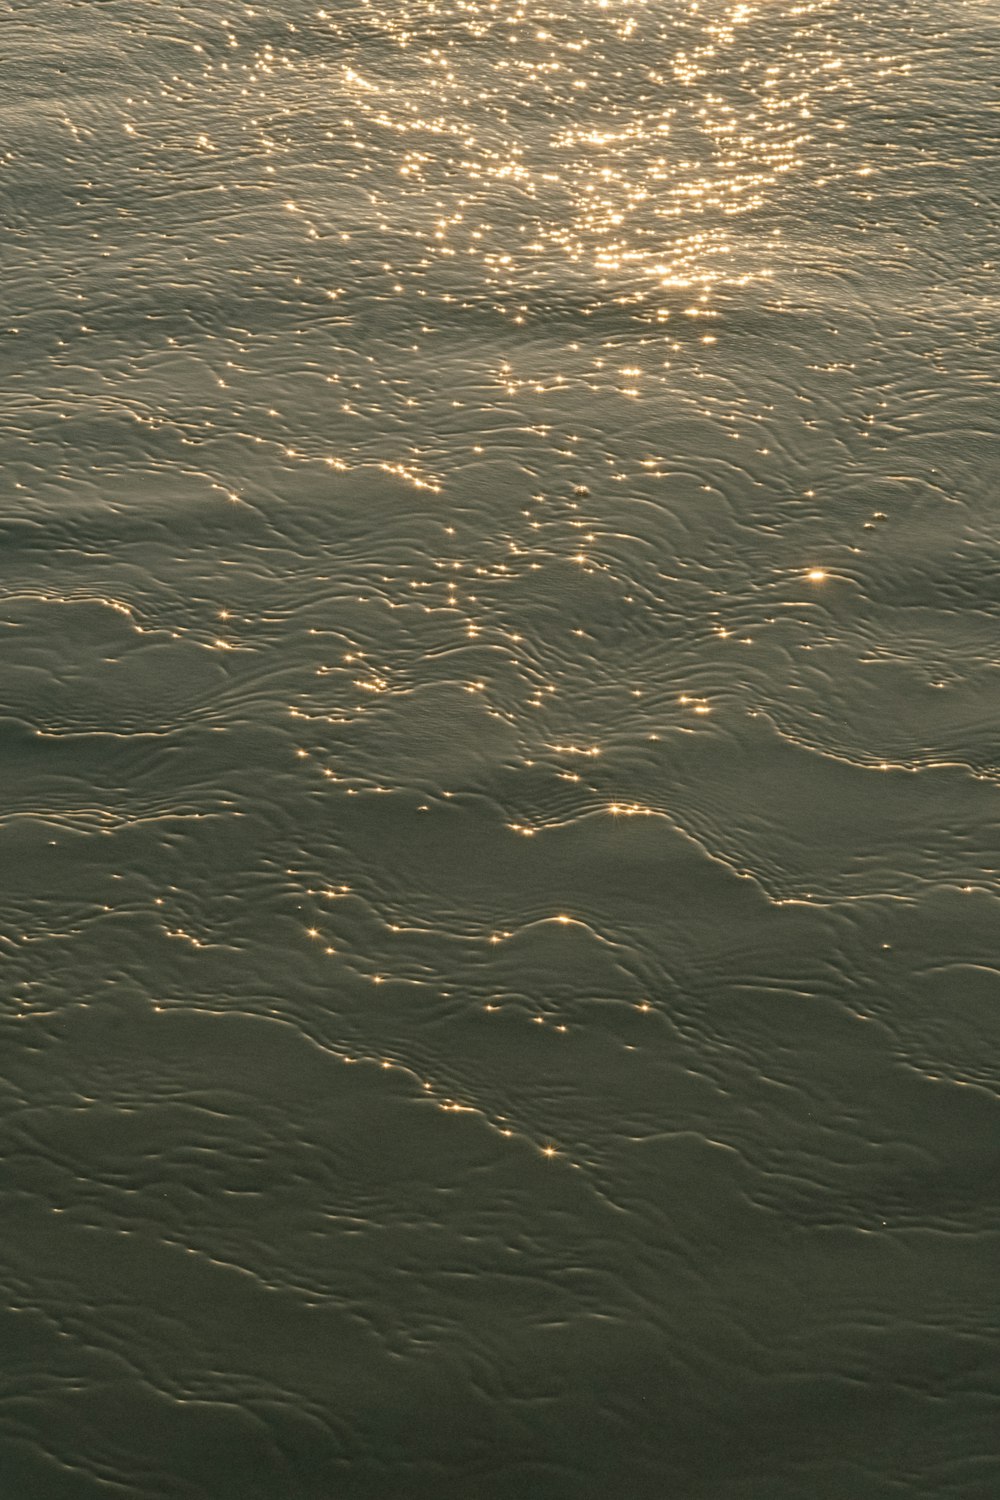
column 645, row 192
column 519, row 160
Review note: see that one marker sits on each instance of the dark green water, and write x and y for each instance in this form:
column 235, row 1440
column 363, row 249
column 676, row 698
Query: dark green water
column 500, row 625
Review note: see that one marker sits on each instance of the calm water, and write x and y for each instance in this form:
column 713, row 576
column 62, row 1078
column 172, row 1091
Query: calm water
column 500, row 750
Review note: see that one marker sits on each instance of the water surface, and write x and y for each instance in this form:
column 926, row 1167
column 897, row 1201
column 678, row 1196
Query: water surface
column 498, row 718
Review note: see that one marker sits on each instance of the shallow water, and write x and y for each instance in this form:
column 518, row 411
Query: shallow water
column 499, row 741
